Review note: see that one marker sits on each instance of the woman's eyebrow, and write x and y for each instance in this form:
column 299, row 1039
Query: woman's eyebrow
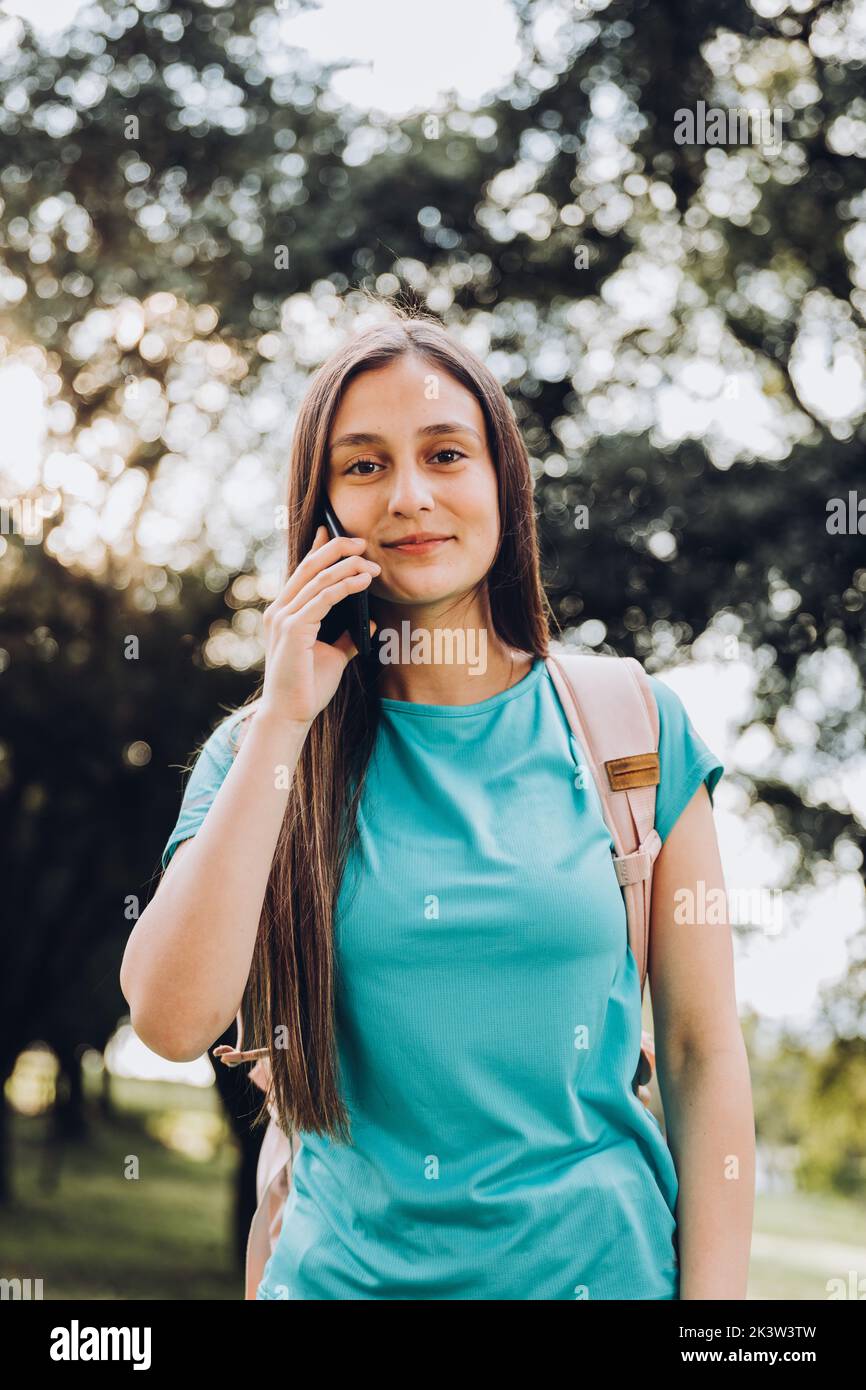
column 362, row 437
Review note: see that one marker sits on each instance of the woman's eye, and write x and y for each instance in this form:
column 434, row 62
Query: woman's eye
column 458, row 454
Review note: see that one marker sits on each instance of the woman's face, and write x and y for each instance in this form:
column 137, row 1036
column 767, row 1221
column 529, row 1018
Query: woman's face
column 422, row 465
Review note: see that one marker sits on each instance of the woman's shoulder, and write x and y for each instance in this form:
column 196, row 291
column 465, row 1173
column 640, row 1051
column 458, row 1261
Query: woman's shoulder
column 206, row 772
column 675, row 721
column 685, row 759
column 222, row 745
column 237, row 724
column 668, row 702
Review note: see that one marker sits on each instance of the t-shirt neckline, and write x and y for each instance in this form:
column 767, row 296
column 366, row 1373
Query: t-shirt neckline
column 413, row 707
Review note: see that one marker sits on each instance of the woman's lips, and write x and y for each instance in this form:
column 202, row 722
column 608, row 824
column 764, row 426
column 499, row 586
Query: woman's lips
column 419, row 547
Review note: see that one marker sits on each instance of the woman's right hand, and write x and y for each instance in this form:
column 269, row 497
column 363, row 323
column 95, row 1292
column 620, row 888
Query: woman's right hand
column 301, row 673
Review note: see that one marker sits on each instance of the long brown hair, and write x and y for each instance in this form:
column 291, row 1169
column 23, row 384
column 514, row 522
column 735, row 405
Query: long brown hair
column 289, row 1003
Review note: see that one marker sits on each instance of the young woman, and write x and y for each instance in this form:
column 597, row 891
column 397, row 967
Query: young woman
column 394, row 867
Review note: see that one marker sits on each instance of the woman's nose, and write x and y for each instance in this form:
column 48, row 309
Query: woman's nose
column 409, row 497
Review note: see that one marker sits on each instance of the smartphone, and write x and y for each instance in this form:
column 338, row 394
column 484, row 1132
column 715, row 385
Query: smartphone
column 351, row 614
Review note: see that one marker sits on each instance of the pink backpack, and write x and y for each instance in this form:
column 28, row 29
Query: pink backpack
column 613, row 715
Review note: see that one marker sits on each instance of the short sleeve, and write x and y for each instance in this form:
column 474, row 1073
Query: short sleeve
column 684, row 759
column 204, row 781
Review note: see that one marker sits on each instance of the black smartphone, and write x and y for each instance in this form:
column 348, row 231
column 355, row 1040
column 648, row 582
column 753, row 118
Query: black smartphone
column 351, row 614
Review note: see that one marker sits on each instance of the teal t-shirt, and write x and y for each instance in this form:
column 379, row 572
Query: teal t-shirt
column 488, row 1021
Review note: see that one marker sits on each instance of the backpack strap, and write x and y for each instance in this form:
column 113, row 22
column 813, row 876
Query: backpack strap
column 273, row 1167
column 234, row 1056
column 612, row 711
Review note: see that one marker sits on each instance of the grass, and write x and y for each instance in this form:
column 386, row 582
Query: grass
column 803, row 1241
column 141, row 1210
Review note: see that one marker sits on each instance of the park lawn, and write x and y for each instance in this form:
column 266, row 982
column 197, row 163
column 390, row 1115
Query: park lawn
column 88, row 1231
column 803, row 1240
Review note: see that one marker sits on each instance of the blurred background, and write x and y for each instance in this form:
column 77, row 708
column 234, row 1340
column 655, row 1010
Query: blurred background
column 194, row 201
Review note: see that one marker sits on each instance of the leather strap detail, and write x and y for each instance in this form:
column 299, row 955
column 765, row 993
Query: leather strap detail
column 634, row 770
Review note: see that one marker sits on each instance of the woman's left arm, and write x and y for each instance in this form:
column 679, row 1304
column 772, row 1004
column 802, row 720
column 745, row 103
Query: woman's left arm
column 702, row 1066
